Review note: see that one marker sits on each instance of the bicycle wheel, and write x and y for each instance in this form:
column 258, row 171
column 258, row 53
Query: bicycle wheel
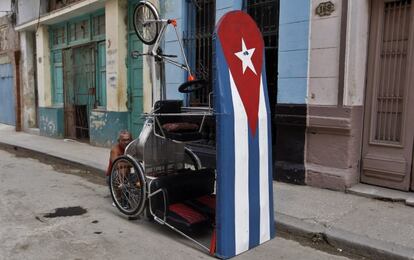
column 127, row 185
column 145, row 15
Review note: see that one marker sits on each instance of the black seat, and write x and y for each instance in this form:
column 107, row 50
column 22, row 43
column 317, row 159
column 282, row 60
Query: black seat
column 178, row 189
column 180, row 128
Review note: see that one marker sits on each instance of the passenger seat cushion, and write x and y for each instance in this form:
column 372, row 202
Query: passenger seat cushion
column 180, row 127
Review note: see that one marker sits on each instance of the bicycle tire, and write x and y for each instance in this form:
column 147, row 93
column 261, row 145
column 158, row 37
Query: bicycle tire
column 148, row 34
column 133, row 186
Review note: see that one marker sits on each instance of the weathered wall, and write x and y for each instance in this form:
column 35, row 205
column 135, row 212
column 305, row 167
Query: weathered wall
column 50, row 122
column 9, row 39
column 28, row 80
column 43, row 67
column 337, row 83
column 9, row 46
column 105, row 126
column 116, row 51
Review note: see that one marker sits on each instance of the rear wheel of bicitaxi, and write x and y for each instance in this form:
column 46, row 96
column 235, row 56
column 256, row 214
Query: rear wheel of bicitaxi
column 127, row 185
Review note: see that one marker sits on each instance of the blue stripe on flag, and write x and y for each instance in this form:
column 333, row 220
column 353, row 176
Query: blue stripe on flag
column 269, row 129
column 225, row 158
column 254, row 189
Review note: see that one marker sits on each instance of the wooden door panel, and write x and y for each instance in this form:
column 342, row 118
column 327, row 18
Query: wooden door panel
column 388, row 129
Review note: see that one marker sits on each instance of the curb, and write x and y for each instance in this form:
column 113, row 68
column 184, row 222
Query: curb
column 360, row 245
column 51, row 157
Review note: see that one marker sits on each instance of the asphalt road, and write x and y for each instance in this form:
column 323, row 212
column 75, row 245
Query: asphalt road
column 31, row 191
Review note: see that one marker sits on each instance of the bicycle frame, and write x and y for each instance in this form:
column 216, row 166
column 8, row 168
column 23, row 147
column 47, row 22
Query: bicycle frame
column 164, row 58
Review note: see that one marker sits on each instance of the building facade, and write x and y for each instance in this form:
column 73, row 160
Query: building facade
column 344, row 82
column 341, row 86
column 88, row 87
column 338, row 77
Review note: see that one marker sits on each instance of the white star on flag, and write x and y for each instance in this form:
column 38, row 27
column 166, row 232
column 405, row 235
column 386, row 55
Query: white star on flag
column 245, row 55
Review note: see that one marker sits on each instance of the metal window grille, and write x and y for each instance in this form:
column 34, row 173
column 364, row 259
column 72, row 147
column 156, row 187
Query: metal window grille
column 59, row 36
column 393, row 60
column 98, row 25
column 266, row 15
column 198, row 43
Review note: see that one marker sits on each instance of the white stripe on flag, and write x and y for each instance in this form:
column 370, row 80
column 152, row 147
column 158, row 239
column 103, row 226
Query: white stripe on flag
column 241, row 171
column 264, row 168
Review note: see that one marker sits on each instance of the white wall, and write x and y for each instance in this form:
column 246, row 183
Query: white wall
column 356, row 52
column 116, row 51
column 325, row 49
column 324, row 56
column 43, row 66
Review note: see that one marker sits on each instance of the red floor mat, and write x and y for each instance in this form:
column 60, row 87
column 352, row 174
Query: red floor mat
column 189, row 214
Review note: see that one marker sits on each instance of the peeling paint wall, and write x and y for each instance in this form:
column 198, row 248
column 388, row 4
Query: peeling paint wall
column 116, row 51
column 9, row 39
column 28, row 80
column 105, row 126
column 51, row 122
column 43, row 67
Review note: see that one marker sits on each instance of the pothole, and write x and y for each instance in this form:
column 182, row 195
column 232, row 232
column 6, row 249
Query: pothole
column 66, row 212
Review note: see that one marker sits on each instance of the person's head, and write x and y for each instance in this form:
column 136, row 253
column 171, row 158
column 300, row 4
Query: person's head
column 124, row 138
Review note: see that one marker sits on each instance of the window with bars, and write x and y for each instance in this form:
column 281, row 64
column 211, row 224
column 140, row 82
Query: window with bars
column 78, row 30
column 266, row 15
column 59, row 36
column 199, row 47
column 392, row 87
column 98, row 25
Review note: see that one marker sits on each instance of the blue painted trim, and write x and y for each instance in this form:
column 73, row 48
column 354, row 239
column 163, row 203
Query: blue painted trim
column 293, row 51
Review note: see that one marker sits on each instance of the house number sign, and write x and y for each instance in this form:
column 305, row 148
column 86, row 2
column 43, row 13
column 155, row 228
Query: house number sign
column 325, row 9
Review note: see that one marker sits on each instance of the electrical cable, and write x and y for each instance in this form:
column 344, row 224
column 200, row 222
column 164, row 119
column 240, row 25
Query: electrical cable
column 38, row 17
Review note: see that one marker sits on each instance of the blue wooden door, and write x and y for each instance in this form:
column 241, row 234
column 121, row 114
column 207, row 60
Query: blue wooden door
column 7, row 97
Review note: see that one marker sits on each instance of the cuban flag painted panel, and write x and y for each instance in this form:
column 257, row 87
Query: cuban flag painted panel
column 245, row 216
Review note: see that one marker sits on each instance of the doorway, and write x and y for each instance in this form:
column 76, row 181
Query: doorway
column 387, row 153
column 7, row 96
column 79, row 68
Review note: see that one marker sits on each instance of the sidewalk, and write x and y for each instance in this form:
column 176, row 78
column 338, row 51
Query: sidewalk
column 372, row 228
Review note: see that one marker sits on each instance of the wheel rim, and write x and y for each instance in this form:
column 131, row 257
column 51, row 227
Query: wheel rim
column 147, row 32
column 127, row 186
